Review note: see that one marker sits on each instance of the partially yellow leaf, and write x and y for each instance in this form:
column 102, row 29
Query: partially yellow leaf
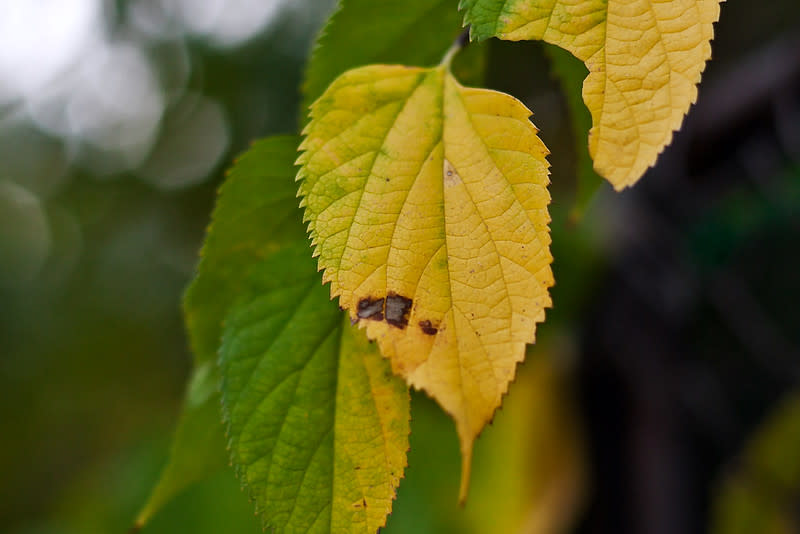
column 427, row 205
column 644, row 58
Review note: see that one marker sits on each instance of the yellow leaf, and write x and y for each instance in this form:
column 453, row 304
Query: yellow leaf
column 427, row 206
column 644, row 58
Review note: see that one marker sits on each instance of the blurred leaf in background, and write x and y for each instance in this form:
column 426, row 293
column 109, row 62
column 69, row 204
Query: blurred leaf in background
column 762, row 491
column 529, row 475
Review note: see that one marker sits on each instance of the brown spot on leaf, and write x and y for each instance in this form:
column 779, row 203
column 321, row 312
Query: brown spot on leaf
column 369, row 308
column 428, row 328
column 397, row 308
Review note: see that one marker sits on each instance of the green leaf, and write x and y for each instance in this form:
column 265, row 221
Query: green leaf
column 411, row 32
column 198, row 447
column 347, row 418
column 254, row 217
column 256, row 214
column 318, row 425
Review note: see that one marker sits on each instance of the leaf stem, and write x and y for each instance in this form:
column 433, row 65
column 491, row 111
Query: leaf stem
column 461, row 41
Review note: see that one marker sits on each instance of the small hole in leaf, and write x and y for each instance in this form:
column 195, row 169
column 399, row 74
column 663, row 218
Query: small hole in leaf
column 397, row 308
column 369, row 308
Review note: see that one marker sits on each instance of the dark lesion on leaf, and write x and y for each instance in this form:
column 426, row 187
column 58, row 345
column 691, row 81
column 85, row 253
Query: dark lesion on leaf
column 394, row 308
column 428, row 328
column 369, row 308
column 397, row 308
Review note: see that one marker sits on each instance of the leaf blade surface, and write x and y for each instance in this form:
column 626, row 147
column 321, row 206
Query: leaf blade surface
column 244, row 228
column 309, row 385
column 317, row 424
column 427, row 204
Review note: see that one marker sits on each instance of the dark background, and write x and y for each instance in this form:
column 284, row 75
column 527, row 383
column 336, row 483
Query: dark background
column 675, row 323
